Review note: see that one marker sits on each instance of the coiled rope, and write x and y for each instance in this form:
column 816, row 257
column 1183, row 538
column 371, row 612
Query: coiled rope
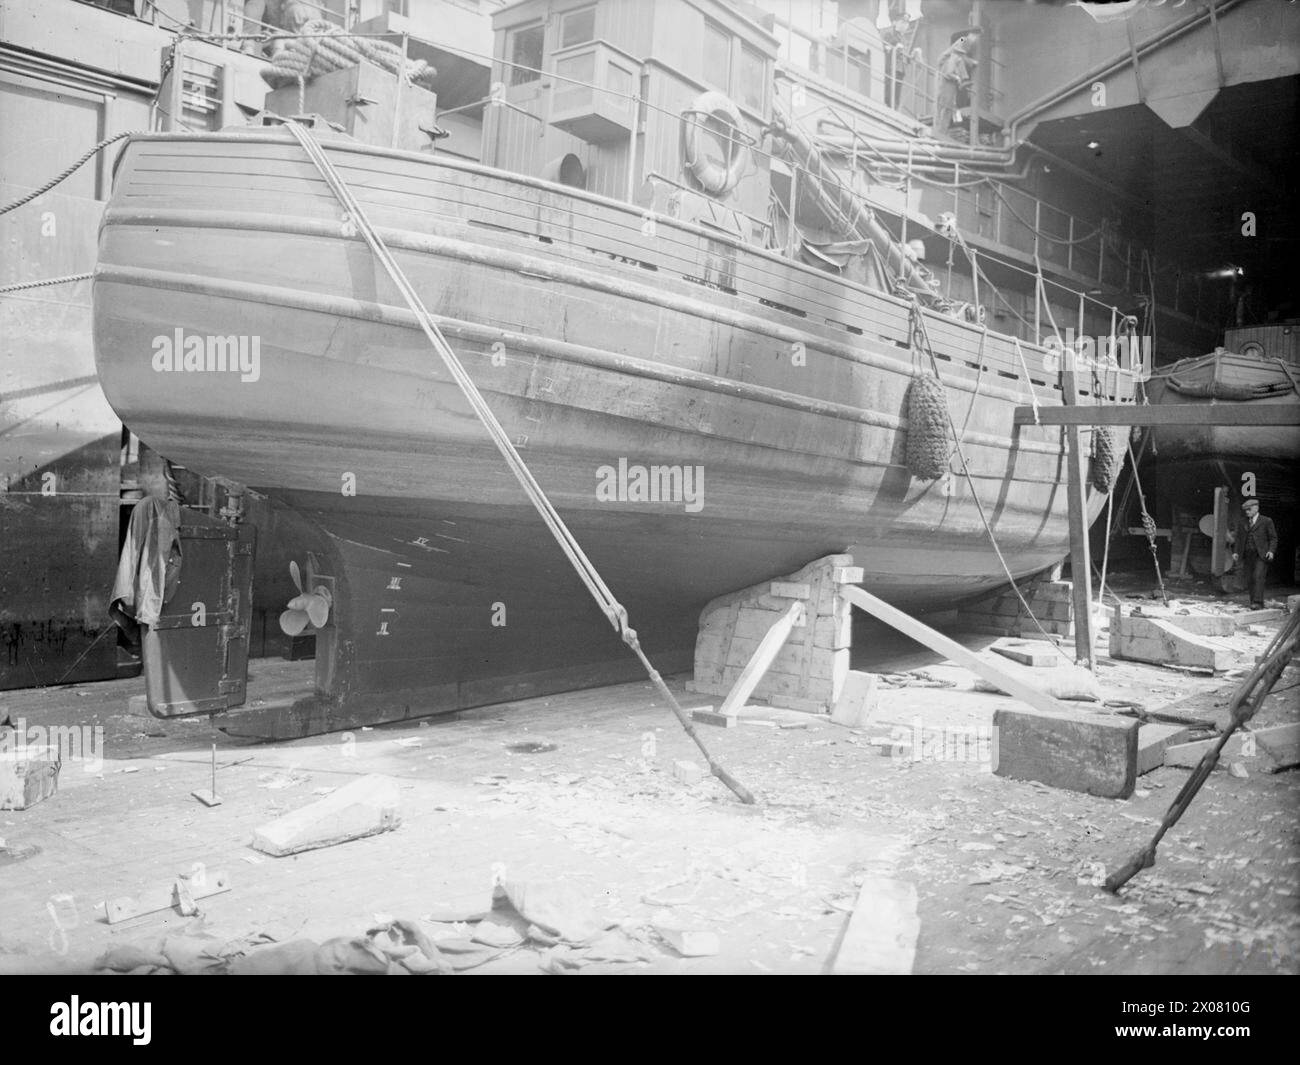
column 613, row 610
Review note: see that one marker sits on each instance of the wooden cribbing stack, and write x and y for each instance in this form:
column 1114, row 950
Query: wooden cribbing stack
column 1003, row 613
column 806, row 660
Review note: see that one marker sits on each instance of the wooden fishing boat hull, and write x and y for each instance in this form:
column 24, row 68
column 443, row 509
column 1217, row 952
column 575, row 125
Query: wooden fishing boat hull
column 1194, row 460
column 775, row 396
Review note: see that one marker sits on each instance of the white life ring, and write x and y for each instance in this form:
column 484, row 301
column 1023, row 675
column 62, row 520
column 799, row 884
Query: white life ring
column 702, row 119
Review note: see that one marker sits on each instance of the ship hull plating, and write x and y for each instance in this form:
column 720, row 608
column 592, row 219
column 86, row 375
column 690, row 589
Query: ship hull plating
column 704, row 415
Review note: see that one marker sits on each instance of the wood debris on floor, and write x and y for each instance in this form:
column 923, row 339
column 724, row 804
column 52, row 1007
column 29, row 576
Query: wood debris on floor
column 588, row 791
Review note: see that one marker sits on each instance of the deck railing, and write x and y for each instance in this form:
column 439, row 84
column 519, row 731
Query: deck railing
column 996, row 210
column 1089, row 251
column 889, row 74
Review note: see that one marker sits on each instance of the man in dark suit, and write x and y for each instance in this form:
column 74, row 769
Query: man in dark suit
column 1254, row 543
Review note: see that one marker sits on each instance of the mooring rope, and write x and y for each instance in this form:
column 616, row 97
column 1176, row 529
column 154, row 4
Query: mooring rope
column 37, row 193
column 66, row 173
column 613, row 610
column 1033, row 396
column 1105, row 554
column 920, row 331
column 23, row 285
column 1148, row 523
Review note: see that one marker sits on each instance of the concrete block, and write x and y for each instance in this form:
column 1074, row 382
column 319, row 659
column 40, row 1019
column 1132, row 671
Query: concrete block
column 1203, row 624
column 688, row 772
column 1257, row 617
column 1152, row 741
column 28, row 775
column 1277, row 748
column 362, row 808
column 858, row 700
column 1093, row 753
column 1141, row 639
column 1281, row 743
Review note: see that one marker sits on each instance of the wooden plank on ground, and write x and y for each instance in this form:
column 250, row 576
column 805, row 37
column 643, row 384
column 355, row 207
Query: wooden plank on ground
column 950, row 648
column 181, row 892
column 1036, row 653
column 361, row 808
column 1153, row 740
column 858, row 700
column 706, row 715
column 1093, row 753
column 880, row 936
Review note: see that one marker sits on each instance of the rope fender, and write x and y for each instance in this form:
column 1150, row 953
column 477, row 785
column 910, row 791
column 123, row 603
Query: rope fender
column 1107, row 458
column 927, row 428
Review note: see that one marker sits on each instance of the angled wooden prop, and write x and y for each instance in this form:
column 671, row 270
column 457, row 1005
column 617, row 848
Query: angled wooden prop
column 949, row 648
column 761, row 659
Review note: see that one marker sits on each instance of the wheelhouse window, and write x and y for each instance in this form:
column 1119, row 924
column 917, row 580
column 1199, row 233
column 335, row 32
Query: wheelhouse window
column 717, row 56
column 753, row 71
column 577, row 27
column 526, row 54
column 857, row 71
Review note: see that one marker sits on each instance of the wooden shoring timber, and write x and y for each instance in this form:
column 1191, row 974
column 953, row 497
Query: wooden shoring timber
column 754, row 643
column 758, row 664
column 1050, row 601
column 949, row 648
column 1077, row 493
column 1163, row 641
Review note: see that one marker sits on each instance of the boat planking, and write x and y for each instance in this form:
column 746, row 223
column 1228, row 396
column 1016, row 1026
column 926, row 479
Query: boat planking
column 705, row 408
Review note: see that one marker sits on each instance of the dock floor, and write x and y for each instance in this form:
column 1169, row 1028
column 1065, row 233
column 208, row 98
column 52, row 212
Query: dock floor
column 579, row 789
